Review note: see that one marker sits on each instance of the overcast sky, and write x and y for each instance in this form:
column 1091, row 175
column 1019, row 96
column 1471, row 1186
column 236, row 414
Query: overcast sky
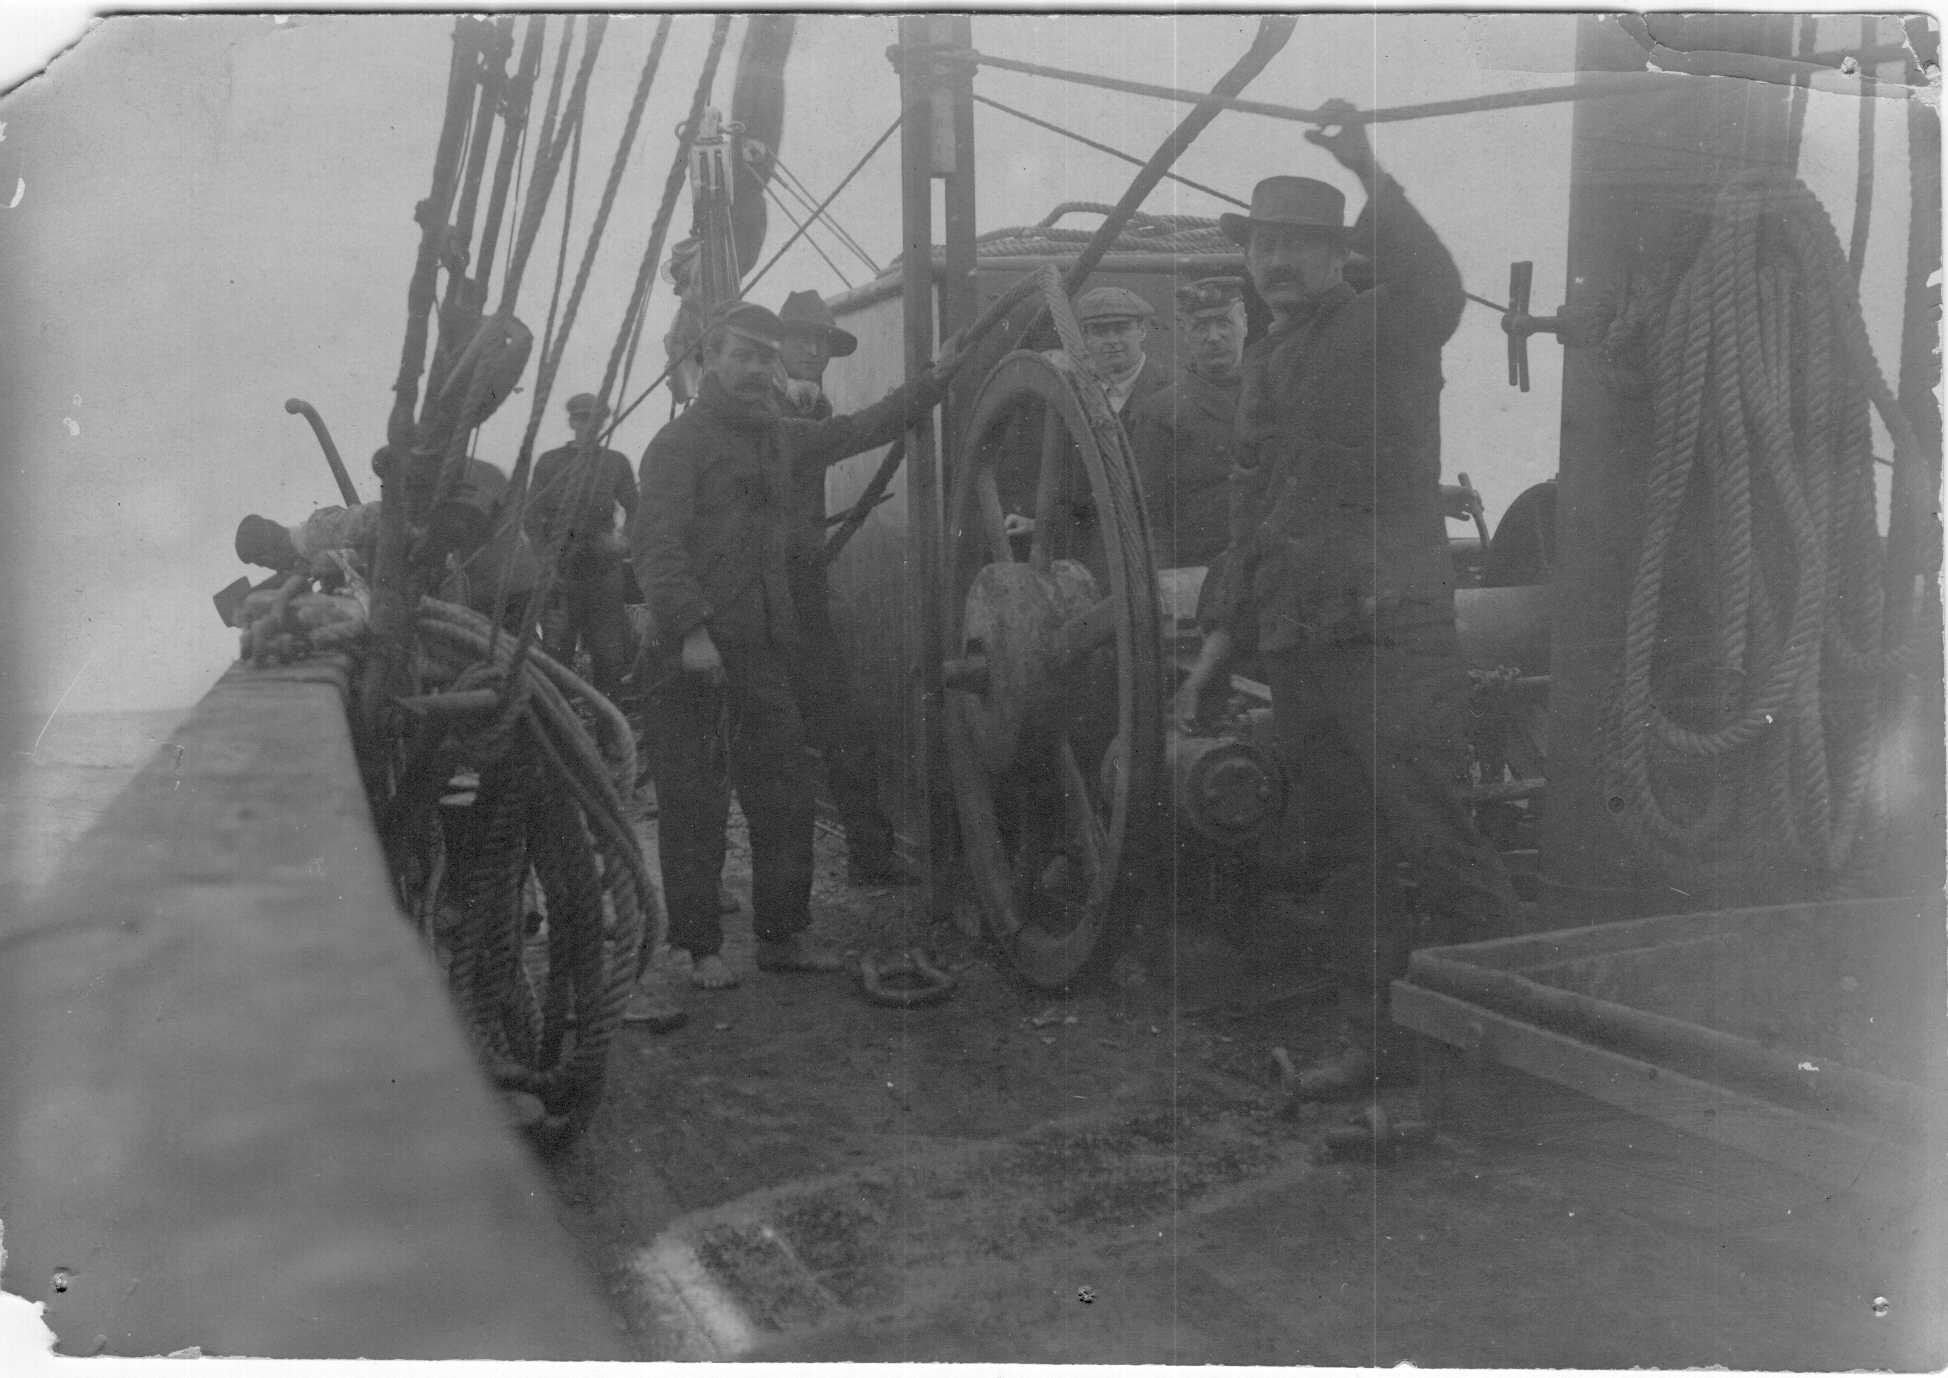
column 215, row 214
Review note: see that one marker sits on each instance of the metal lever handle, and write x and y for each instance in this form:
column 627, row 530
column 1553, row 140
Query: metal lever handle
column 1518, row 324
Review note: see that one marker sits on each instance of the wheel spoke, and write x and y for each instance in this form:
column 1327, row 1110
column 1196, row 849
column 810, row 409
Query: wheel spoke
column 992, row 519
column 1079, row 806
column 1048, row 485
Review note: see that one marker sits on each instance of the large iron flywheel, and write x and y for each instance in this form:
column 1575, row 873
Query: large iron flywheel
column 1055, row 702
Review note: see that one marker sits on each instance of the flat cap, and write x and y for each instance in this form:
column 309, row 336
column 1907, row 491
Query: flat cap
column 1112, row 304
column 1209, row 294
column 584, row 402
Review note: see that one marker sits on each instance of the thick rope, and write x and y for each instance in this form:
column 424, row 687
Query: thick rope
column 1760, row 510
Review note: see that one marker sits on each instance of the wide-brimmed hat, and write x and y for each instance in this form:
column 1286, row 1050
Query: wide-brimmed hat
column 1112, row 304
column 808, row 311
column 1292, row 203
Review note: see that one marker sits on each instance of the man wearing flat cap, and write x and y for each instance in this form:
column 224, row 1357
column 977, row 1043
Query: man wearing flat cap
column 1116, row 326
column 574, row 496
column 1339, row 572
column 835, row 721
column 1185, row 434
column 712, row 552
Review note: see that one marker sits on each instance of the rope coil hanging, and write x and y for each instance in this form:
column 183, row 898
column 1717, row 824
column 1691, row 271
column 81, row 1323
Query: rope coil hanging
column 1761, row 512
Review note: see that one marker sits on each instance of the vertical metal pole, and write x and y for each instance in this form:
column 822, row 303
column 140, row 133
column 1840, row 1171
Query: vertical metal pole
column 960, row 303
column 923, row 516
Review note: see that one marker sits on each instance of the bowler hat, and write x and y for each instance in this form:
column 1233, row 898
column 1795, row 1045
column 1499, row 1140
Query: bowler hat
column 585, row 402
column 1207, row 295
column 752, row 321
column 1112, row 304
column 808, row 311
column 1295, row 203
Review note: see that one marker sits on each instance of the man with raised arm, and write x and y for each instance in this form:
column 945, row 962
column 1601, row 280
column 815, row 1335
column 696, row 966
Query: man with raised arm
column 1338, row 571
column 710, row 543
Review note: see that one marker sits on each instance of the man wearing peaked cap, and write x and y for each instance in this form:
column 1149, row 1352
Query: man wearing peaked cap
column 835, row 721
column 576, row 493
column 1184, row 435
column 711, row 550
column 1338, row 569
column 1115, row 326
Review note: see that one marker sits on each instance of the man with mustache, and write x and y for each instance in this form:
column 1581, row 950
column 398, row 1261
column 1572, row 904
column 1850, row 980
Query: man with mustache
column 1184, row 434
column 710, row 542
column 1338, row 570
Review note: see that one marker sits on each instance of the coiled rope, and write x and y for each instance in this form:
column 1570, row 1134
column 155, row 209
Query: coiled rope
column 1760, row 510
column 549, row 801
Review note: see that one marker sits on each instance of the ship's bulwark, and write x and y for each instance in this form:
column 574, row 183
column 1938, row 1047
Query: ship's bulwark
column 236, row 1112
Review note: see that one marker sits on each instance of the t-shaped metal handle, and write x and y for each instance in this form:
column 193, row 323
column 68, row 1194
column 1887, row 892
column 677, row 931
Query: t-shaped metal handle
column 1518, row 324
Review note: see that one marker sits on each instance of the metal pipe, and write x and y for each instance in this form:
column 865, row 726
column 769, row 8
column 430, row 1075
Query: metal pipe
column 297, row 406
column 1601, row 87
column 918, row 33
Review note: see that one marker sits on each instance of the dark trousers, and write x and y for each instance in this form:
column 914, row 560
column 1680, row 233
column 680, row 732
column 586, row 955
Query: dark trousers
column 702, row 742
column 837, row 729
column 1371, row 727
column 586, row 609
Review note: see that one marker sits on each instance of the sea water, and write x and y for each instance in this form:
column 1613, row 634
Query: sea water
column 61, row 774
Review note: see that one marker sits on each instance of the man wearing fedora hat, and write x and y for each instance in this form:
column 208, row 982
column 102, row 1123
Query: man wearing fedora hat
column 712, row 552
column 1185, row 434
column 1338, row 570
column 576, row 492
column 834, row 722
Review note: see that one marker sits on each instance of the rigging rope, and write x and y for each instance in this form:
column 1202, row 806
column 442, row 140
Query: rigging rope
column 1088, row 142
column 1760, row 510
column 758, row 276
column 561, row 253
column 800, row 193
column 551, row 361
column 804, row 227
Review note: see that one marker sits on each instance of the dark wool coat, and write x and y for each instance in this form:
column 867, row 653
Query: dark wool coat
column 721, row 511
column 1335, row 501
column 1185, row 437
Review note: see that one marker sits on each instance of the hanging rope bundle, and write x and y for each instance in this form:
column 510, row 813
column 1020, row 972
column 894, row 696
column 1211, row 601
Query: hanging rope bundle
column 542, row 1008
column 1753, row 761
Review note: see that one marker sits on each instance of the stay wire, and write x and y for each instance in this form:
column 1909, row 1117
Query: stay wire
column 805, row 227
column 1088, row 142
column 758, row 276
column 801, row 194
column 551, row 360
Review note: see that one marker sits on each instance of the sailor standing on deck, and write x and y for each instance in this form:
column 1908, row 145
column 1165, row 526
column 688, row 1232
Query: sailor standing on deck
column 1185, row 435
column 834, row 722
column 1339, row 570
column 590, row 583
column 711, row 552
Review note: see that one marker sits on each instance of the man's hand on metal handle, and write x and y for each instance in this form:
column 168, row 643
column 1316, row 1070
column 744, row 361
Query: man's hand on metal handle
column 700, row 656
column 1211, row 660
column 1347, row 142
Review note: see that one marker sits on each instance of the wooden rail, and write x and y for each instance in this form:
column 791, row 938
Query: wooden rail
column 235, row 1110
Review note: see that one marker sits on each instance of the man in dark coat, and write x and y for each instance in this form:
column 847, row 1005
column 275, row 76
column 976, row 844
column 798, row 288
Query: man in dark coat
column 834, row 718
column 576, row 492
column 711, row 551
column 1185, row 434
column 1339, row 570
